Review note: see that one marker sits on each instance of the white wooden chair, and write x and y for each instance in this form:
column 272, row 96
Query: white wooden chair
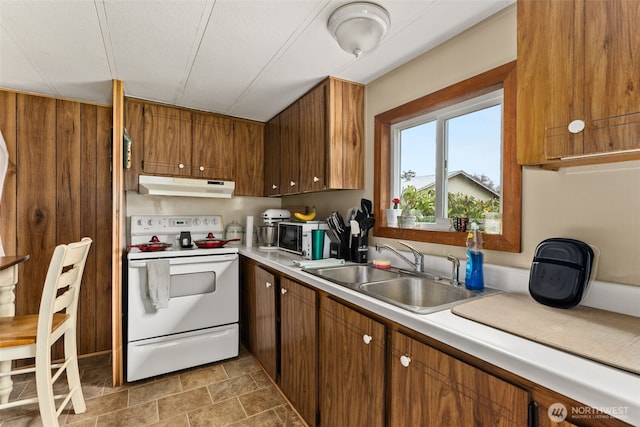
column 31, row 336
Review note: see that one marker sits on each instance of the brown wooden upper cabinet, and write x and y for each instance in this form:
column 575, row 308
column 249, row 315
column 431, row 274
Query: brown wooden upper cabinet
column 578, row 82
column 313, row 134
column 173, row 141
column 272, row 157
column 212, row 153
column 289, row 150
column 248, row 148
column 317, row 143
column 167, row 141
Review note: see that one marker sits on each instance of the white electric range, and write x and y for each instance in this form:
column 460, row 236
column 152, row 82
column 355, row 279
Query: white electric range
column 181, row 304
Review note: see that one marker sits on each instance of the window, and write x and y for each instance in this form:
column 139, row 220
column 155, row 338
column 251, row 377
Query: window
column 447, row 163
column 423, row 147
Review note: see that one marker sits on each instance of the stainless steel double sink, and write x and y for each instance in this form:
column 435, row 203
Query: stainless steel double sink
column 411, row 291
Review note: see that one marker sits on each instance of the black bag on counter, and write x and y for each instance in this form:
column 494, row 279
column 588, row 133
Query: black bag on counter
column 560, row 272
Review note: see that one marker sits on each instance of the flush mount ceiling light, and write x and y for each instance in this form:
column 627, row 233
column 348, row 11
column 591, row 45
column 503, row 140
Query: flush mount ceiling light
column 358, row 27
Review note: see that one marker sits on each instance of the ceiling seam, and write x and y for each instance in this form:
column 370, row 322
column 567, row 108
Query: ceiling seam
column 285, row 46
column 198, row 39
column 103, row 22
column 23, row 51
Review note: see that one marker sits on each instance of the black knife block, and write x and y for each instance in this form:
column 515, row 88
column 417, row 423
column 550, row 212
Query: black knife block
column 339, row 250
column 359, row 248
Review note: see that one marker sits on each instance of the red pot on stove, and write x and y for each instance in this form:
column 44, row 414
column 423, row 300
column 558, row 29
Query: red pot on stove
column 152, row 246
column 210, row 242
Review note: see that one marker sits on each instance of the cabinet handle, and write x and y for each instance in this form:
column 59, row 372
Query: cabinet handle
column 201, row 168
column 366, row 338
column 292, row 183
column 283, row 291
column 405, row 361
column 181, row 165
column 576, row 126
column 273, row 187
column 267, row 284
column 316, row 179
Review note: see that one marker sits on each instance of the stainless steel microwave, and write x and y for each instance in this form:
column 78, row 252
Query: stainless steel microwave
column 295, row 237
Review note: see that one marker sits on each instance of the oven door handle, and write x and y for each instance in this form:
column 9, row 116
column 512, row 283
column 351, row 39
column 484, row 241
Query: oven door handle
column 188, row 260
column 176, row 340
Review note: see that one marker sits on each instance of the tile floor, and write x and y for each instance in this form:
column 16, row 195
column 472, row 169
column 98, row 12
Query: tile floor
column 235, row 392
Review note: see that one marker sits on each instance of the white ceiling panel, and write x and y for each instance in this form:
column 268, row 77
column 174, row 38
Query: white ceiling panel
column 61, row 40
column 237, row 50
column 154, row 44
column 15, row 70
column 246, row 58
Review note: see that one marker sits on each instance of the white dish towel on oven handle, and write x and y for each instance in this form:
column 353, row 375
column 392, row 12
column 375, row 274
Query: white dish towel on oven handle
column 4, row 163
column 158, row 282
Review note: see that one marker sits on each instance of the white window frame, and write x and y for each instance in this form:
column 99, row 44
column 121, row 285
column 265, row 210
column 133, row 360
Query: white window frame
column 441, row 116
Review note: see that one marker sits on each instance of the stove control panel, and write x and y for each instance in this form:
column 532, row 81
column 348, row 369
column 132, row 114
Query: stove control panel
column 173, row 224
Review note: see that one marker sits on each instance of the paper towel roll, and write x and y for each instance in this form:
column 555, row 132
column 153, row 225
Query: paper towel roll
column 249, row 232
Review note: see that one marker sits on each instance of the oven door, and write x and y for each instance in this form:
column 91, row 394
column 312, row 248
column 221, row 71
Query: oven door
column 204, row 292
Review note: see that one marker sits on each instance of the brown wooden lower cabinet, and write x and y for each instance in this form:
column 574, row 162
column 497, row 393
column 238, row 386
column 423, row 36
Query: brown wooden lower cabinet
column 429, row 388
column 299, row 347
column 341, row 366
column 265, row 345
column 352, row 367
column 543, row 419
column 248, row 304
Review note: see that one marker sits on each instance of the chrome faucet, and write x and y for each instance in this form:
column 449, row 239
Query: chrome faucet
column 455, row 270
column 418, row 265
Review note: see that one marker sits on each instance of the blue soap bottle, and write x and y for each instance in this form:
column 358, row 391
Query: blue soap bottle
column 474, row 279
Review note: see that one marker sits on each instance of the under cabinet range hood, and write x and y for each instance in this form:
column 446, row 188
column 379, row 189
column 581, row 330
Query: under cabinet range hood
column 185, row 187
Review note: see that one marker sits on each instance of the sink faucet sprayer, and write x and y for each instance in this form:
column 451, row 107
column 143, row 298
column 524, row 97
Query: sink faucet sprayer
column 418, row 265
column 455, row 270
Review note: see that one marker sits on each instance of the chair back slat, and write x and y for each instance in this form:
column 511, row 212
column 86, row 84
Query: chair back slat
column 75, row 255
column 68, row 277
column 65, row 271
column 64, row 300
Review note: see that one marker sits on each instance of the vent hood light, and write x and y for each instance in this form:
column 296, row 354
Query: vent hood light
column 185, row 187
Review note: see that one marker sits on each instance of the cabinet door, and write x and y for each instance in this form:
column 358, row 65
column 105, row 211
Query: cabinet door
column 298, row 347
column 612, row 75
column 313, row 139
column 248, row 145
column 212, row 147
column 352, row 367
column 248, row 322
column 167, row 141
column 549, row 86
column 272, row 157
column 289, row 150
column 575, row 63
column 345, row 158
column 544, row 419
column 429, row 387
column 265, row 311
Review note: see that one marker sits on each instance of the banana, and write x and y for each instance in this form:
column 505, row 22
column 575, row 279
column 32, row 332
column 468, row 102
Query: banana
column 302, row 217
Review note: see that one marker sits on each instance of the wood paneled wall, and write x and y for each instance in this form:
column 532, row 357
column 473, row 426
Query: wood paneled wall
column 58, row 190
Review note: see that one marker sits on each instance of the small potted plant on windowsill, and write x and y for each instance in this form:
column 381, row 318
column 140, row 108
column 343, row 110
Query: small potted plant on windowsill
column 463, row 209
column 410, row 202
column 393, row 213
